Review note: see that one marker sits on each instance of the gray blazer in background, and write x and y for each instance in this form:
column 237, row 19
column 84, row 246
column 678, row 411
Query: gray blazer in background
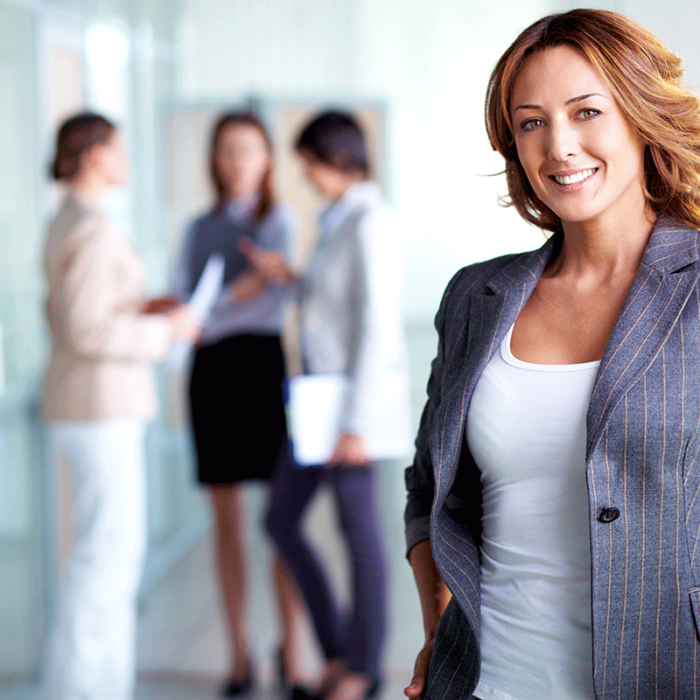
column 351, row 317
column 642, row 470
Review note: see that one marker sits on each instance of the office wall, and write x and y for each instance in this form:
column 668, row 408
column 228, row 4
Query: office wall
column 427, row 62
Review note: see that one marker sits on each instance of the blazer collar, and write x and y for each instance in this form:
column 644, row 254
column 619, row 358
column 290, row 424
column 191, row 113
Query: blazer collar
column 360, row 195
column 671, row 247
column 525, row 270
column 486, row 313
column 667, row 276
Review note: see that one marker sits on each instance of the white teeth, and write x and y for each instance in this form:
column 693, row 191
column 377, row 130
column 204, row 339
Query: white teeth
column 576, row 177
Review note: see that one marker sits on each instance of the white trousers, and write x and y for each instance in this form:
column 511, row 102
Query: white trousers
column 91, row 645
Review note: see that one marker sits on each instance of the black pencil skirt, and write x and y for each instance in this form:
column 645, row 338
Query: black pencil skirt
column 237, row 408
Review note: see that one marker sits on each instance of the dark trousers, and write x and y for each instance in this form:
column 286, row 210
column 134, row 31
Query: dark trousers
column 358, row 636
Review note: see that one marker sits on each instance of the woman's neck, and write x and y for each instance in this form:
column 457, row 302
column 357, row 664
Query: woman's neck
column 345, row 186
column 242, row 197
column 89, row 188
column 603, row 249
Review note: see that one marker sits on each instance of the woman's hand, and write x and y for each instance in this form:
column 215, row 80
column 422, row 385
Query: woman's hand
column 349, row 451
column 420, row 670
column 185, row 324
column 268, row 263
column 434, row 598
column 247, row 286
column 160, row 305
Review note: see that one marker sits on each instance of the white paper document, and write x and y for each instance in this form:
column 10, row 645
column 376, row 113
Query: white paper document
column 315, row 411
column 205, row 294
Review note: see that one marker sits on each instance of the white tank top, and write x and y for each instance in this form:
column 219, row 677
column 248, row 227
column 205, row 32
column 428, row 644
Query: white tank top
column 526, row 429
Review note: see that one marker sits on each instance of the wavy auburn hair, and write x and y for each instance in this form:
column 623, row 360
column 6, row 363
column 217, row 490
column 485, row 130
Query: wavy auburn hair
column 267, row 194
column 646, row 80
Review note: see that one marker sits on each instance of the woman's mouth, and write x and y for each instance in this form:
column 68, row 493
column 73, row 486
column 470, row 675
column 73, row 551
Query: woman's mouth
column 574, row 178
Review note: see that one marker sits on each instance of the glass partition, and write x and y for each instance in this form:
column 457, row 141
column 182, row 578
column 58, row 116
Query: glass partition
column 57, row 57
column 21, row 352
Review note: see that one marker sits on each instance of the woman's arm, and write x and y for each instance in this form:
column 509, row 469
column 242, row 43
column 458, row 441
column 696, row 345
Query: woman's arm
column 270, row 264
column 420, row 484
column 374, row 315
column 434, row 597
column 97, row 321
column 267, row 259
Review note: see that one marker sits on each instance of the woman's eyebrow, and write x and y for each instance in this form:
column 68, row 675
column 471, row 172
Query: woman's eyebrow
column 583, row 97
column 579, row 98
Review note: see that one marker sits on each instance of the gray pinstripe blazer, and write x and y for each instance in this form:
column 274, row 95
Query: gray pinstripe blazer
column 642, row 468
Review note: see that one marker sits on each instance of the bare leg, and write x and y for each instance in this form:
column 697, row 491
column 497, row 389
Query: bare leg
column 232, row 569
column 291, row 611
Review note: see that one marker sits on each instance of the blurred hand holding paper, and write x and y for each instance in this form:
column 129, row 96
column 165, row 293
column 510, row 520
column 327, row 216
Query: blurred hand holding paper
column 201, row 302
column 315, row 411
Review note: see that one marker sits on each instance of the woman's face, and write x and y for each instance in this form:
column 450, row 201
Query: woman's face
column 242, row 160
column 578, row 152
column 328, row 181
column 109, row 160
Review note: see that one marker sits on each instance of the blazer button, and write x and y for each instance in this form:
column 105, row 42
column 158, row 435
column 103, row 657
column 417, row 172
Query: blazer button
column 608, row 515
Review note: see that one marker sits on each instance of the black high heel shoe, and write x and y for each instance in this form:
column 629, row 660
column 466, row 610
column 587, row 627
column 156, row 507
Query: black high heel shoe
column 233, row 688
column 298, row 692
column 287, row 690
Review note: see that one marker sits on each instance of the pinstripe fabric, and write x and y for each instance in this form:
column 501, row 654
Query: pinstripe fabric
column 643, row 458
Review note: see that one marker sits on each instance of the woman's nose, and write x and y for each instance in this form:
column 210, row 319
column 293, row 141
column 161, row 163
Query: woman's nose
column 563, row 141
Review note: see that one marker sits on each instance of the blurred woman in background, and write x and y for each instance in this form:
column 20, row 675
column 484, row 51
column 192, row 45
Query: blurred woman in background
column 98, row 394
column 236, row 384
column 350, row 324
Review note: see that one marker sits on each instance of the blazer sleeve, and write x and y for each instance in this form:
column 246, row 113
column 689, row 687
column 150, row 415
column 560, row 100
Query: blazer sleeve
column 100, row 323
column 375, row 314
column 419, row 477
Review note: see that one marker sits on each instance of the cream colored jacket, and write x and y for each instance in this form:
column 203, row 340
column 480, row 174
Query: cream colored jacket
column 102, row 346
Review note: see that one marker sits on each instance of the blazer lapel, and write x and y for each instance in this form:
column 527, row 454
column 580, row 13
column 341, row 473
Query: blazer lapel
column 479, row 321
column 659, row 292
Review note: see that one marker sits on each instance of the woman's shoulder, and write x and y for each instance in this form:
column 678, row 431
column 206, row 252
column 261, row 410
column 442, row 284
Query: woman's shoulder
column 475, row 276
column 75, row 223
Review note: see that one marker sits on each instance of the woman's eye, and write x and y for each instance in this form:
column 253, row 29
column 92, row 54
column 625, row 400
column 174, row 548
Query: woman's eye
column 588, row 113
column 530, row 124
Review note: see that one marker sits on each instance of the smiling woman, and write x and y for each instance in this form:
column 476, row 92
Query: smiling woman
column 646, row 81
column 579, row 155
column 553, row 524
